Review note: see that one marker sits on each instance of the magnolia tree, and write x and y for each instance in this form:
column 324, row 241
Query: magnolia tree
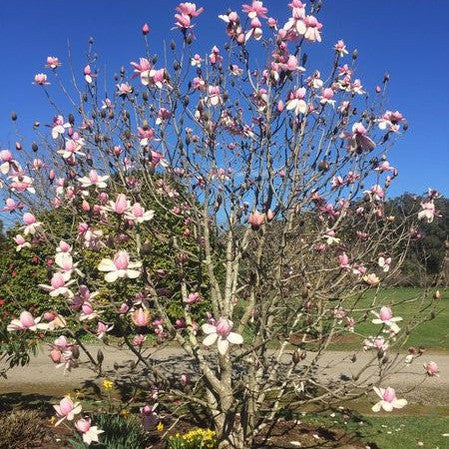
column 266, row 177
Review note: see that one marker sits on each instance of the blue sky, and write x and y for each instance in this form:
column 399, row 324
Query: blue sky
column 407, row 38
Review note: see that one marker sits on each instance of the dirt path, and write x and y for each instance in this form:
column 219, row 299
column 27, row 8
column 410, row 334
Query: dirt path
column 41, row 376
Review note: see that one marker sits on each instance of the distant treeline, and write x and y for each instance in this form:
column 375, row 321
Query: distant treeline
column 426, row 257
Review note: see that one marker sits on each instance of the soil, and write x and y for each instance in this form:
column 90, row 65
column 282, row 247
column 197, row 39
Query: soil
column 284, row 435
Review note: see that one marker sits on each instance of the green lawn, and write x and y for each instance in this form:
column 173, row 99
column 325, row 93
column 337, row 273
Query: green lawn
column 386, row 431
column 404, row 432
column 433, row 334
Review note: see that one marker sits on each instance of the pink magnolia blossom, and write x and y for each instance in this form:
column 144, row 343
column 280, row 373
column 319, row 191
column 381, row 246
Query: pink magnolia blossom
column 103, row 329
column 313, row 28
column 141, row 317
column 431, row 369
column 40, row 79
column 26, row 321
column 87, row 311
column 58, row 127
column 371, row 279
column 138, row 214
column 65, row 265
column 378, row 343
column 384, row 263
column 388, row 400
column 256, row 219
column 88, row 75
column 331, row 237
column 10, row 205
column 138, row 340
column 21, row 242
column 255, row 31
column 198, row 84
column 340, row 48
column 327, row 96
column 186, row 11
column 72, row 148
column 32, row 226
column 296, row 23
column 22, row 184
column 8, row 161
column 357, row 87
column 119, row 267
column 145, row 29
column 53, row 62
column 296, row 101
column 196, row 61
column 193, row 298
column 159, row 78
column 343, row 260
column 120, row 205
column 428, row 211
column 38, row 164
column 124, row 89
column 55, row 321
column 350, row 323
column 64, row 354
column 189, row 9
column 149, row 417
column 358, row 141
column 67, row 409
column 272, row 23
column 384, row 166
column 391, row 120
column 142, row 69
column 90, row 433
column 385, row 316
column 58, row 286
column 162, row 115
column 145, row 135
column 183, row 21
column 185, row 379
column 63, row 247
column 220, row 332
column 337, row 182
column 256, row 9
column 376, row 192
column 214, row 95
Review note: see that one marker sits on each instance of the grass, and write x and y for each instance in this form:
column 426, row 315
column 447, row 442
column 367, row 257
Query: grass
column 405, row 432
column 432, row 334
column 387, row 431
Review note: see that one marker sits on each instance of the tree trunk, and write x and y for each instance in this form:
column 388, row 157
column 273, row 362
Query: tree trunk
column 234, row 439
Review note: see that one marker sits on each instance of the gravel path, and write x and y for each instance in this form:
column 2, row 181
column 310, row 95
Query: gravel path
column 41, row 376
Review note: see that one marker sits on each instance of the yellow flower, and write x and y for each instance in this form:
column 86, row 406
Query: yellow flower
column 107, row 384
column 160, row 427
column 125, row 413
column 78, row 394
column 52, row 420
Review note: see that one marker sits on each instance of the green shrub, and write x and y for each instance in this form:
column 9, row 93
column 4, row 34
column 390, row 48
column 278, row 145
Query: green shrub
column 119, row 433
column 15, row 348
